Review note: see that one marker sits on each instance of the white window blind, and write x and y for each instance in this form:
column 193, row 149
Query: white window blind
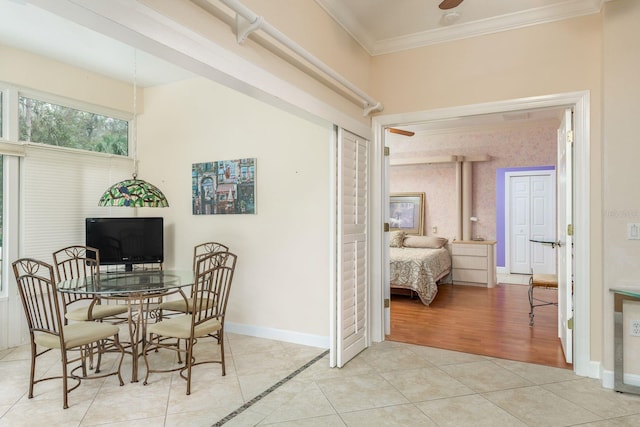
column 59, row 189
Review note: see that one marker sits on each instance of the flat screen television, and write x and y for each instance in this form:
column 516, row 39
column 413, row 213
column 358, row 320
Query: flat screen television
column 127, row 241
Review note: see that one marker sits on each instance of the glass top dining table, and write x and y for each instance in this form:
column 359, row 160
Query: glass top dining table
column 128, row 283
column 136, row 288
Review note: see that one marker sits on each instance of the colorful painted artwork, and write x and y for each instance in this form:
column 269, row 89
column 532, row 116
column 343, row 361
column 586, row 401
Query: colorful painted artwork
column 224, row 187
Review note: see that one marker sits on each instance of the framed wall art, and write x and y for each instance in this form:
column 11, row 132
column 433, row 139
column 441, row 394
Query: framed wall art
column 224, row 187
column 406, row 212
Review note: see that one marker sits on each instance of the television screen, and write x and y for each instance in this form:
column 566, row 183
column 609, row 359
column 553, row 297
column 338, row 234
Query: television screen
column 127, row 241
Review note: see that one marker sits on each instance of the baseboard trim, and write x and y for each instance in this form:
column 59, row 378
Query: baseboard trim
column 318, row 341
column 629, row 379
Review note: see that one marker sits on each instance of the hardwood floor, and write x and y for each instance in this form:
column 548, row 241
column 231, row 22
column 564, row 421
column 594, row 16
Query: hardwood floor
column 491, row 322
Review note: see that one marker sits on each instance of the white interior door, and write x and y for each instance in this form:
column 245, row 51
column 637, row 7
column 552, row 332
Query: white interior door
column 387, row 273
column 532, row 217
column 543, row 223
column 565, row 235
column 520, row 219
column 352, row 277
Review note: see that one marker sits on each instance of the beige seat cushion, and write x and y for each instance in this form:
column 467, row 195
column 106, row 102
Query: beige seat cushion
column 545, row 280
column 179, row 305
column 180, row 327
column 77, row 334
column 100, row 311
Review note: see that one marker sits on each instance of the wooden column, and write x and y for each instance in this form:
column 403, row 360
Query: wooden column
column 467, row 199
column 459, row 186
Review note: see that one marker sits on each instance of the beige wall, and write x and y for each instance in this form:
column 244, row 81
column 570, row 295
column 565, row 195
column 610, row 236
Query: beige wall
column 621, row 200
column 302, row 21
column 553, row 58
column 543, row 59
column 308, row 24
column 282, row 279
column 29, row 71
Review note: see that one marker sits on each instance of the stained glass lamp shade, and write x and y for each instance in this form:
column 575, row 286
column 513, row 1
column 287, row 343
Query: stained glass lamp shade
column 135, row 193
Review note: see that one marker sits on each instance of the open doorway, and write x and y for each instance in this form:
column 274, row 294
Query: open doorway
column 579, row 102
column 514, row 175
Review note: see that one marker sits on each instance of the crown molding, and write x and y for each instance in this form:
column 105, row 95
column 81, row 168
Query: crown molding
column 542, row 15
column 348, row 22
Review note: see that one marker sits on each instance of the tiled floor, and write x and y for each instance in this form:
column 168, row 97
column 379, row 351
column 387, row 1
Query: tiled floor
column 389, row 384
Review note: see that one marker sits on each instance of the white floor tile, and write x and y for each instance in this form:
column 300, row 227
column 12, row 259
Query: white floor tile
column 388, row 384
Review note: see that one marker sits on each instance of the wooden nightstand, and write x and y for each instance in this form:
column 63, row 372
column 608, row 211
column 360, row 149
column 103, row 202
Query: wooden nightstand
column 474, row 262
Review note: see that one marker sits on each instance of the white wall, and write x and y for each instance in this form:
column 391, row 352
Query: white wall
column 281, row 287
column 621, row 200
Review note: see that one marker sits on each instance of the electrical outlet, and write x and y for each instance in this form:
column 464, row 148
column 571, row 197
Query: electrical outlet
column 633, row 231
column 635, row 328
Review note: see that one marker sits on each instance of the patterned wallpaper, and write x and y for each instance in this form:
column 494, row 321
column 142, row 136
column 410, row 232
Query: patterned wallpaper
column 508, row 147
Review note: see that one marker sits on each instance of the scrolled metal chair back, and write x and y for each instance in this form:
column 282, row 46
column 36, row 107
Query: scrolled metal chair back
column 207, row 248
column 37, row 288
column 214, row 275
column 76, row 261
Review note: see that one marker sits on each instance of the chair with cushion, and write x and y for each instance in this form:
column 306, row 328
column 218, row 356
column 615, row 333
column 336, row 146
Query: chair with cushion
column 185, row 304
column 540, row 281
column 75, row 262
column 47, row 331
column 210, row 294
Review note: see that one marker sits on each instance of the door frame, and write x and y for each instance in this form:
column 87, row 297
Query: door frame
column 580, row 102
column 507, row 208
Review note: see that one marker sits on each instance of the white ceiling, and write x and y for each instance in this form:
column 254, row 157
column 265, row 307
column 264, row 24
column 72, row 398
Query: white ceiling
column 386, row 26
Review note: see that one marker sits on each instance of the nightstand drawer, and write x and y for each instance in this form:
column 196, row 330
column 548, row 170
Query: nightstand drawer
column 471, row 262
column 469, row 249
column 476, row 276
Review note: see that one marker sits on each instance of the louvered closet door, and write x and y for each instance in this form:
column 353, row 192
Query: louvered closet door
column 352, row 275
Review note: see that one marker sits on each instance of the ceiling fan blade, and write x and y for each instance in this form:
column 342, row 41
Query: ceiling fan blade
column 401, row 132
column 449, row 4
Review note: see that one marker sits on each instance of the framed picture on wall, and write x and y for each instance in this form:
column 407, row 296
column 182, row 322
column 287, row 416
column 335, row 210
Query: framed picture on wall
column 406, row 212
column 224, row 187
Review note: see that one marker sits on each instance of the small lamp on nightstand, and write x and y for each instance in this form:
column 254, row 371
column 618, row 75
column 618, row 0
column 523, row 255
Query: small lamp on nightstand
column 474, row 234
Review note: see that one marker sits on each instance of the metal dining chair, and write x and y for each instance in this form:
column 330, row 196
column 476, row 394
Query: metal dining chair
column 80, row 262
column 185, row 304
column 48, row 331
column 540, row 281
column 75, row 262
column 214, row 275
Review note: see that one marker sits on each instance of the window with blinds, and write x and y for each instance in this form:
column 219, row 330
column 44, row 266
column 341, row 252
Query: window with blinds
column 59, row 189
column 69, row 153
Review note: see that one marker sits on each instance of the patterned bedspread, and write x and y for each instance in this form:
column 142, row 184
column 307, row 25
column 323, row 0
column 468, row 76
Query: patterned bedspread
column 419, row 269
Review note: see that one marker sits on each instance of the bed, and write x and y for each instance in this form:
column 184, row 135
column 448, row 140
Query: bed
column 418, row 263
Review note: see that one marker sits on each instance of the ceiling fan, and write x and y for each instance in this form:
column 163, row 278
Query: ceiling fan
column 401, row 132
column 450, row 4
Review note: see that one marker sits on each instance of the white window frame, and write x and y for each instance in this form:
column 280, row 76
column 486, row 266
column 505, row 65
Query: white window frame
column 76, row 105
column 36, row 218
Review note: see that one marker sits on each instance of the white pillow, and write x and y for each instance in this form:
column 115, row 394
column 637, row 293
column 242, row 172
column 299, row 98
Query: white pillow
column 430, row 242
